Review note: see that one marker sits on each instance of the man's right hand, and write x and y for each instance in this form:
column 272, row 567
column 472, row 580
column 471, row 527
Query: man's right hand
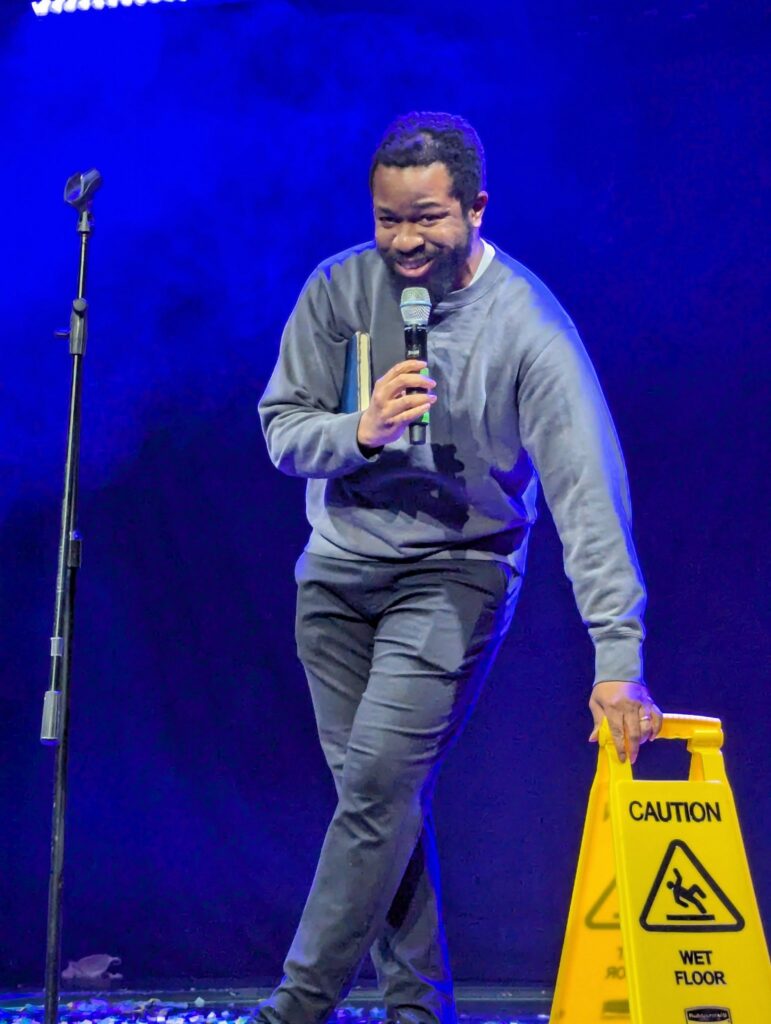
column 391, row 409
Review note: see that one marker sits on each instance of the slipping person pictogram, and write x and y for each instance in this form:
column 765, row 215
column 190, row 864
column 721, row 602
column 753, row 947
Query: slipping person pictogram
column 690, row 897
column 705, row 906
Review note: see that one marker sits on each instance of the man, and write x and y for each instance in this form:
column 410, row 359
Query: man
column 409, row 580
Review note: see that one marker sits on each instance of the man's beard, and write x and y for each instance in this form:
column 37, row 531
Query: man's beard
column 442, row 277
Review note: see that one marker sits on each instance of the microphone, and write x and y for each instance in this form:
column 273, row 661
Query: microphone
column 415, row 306
column 80, row 188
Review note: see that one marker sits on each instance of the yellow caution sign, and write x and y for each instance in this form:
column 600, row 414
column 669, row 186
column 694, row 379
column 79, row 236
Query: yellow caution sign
column 663, row 925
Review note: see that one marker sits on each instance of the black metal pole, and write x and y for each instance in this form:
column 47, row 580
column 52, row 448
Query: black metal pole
column 55, row 727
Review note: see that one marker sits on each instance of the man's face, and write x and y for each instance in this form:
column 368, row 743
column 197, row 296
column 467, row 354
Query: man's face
column 421, row 231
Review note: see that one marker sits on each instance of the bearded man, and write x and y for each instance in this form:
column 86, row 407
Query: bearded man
column 416, row 555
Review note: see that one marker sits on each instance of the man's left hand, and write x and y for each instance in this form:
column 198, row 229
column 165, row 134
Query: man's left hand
column 632, row 716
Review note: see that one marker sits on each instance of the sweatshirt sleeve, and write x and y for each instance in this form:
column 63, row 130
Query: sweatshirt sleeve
column 567, row 430
column 305, row 434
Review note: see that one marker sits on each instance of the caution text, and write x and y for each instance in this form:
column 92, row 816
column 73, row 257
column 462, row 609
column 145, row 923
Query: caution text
column 674, row 810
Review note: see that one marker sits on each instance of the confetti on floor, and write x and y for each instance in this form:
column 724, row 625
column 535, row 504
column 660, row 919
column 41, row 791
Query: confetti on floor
column 122, row 1009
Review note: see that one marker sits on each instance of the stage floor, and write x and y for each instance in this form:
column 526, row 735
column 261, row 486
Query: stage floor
column 476, row 1005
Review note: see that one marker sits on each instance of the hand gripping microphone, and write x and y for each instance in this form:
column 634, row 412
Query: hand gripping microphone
column 416, row 309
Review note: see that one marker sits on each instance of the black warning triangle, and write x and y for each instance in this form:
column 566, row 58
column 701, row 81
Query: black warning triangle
column 604, row 912
column 685, row 897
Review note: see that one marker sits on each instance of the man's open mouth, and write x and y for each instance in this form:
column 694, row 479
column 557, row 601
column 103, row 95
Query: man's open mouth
column 413, row 267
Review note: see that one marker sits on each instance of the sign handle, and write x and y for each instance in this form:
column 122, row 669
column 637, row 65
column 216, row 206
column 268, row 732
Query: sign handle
column 704, row 737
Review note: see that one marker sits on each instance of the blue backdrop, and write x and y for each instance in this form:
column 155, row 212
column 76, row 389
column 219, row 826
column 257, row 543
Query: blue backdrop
column 629, row 167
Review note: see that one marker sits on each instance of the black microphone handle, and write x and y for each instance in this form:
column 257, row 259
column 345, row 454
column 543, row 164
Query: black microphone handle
column 416, row 347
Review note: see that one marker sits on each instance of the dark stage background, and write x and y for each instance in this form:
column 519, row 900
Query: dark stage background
column 629, row 167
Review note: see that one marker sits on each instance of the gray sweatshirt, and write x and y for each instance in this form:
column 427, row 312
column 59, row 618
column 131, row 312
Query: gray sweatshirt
column 516, row 393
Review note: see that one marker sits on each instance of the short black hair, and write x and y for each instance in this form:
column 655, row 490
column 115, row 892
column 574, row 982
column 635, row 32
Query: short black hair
column 421, row 138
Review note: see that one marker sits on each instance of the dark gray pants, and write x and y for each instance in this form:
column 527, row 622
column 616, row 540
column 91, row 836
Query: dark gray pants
column 395, row 656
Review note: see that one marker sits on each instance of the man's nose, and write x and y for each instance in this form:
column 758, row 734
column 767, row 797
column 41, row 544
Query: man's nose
column 408, row 238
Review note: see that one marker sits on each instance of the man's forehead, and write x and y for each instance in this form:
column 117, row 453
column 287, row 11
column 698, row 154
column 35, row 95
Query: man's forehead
column 421, row 187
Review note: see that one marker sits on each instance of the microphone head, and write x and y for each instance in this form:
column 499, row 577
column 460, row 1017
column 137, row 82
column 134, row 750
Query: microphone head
column 416, row 307
column 80, row 188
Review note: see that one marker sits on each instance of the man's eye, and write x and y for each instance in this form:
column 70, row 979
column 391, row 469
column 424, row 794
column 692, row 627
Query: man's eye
column 429, row 219
column 387, row 222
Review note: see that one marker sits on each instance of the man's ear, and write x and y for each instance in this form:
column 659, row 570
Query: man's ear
column 477, row 210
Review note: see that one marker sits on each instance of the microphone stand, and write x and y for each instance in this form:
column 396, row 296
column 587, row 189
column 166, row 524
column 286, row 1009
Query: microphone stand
column 78, row 192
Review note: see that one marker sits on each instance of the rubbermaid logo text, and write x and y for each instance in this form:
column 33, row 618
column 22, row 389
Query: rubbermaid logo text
column 707, row 1015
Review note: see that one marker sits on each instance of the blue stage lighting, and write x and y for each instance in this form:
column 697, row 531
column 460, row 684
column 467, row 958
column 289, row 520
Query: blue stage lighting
column 41, row 7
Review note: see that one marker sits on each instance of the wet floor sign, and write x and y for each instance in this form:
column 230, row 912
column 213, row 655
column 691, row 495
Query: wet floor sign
column 663, row 925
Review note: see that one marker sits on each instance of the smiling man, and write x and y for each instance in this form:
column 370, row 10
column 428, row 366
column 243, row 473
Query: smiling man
column 424, row 231
column 416, row 555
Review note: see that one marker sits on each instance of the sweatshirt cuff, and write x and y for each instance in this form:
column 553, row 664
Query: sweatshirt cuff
column 618, row 658
column 346, row 427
